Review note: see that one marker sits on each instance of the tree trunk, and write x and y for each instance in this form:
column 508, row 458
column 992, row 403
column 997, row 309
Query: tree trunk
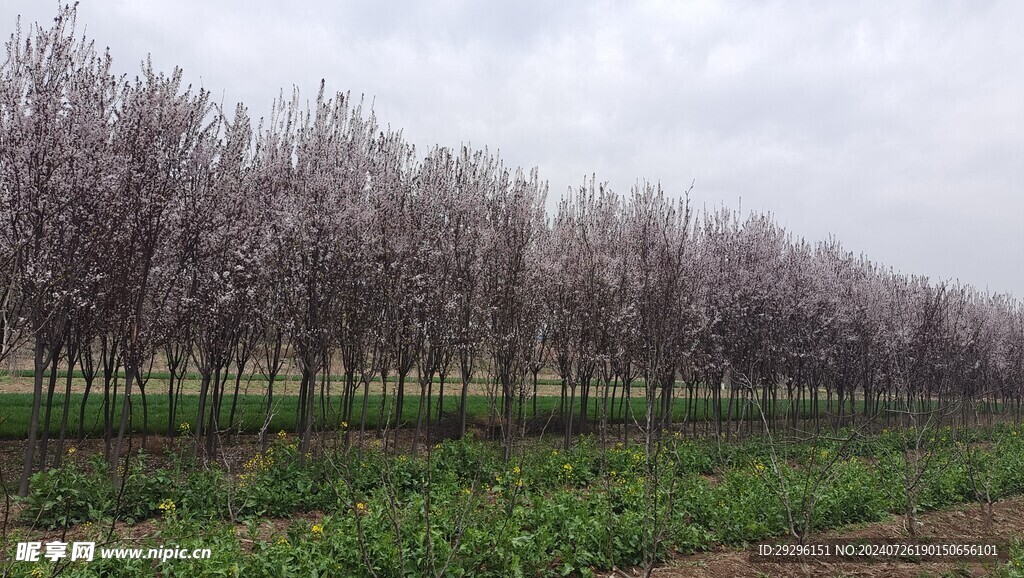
column 39, row 363
column 59, row 454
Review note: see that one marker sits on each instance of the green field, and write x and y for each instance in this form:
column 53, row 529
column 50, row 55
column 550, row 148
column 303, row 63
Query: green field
column 15, row 410
column 544, row 511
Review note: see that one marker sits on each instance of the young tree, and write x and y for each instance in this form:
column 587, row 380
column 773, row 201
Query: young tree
column 476, row 174
column 510, row 281
column 158, row 143
column 58, row 102
column 331, row 159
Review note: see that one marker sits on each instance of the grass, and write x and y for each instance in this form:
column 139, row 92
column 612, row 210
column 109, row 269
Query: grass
column 15, row 411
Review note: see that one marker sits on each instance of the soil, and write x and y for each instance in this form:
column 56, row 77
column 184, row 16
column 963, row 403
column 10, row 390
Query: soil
column 285, row 386
column 964, row 524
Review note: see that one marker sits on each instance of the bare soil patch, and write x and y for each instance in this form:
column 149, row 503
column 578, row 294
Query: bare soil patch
column 964, row 524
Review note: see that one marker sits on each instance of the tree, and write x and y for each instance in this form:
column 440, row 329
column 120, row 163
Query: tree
column 510, row 280
column 159, row 142
column 58, row 104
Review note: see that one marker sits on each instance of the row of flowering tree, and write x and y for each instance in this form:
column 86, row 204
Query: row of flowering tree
column 143, row 226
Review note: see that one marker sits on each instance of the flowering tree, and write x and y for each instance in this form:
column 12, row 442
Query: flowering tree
column 514, row 214
column 58, row 102
column 159, row 142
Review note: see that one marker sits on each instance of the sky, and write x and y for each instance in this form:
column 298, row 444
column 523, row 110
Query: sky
column 897, row 128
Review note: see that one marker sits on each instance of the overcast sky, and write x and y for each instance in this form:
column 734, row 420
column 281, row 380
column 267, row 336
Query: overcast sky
column 899, row 128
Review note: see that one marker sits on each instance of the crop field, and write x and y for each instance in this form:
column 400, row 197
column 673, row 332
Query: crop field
column 361, row 511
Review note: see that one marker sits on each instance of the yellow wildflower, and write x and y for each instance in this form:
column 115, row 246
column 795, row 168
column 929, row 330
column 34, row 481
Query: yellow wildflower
column 167, row 506
column 259, row 463
column 317, row 529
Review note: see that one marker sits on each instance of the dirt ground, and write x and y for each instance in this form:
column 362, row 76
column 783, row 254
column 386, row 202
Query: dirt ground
column 287, row 382
column 288, row 385
column 964, row 524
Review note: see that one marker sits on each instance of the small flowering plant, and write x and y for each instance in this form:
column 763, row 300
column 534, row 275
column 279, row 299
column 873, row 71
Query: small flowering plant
column 168, row 507
column 267, row 480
